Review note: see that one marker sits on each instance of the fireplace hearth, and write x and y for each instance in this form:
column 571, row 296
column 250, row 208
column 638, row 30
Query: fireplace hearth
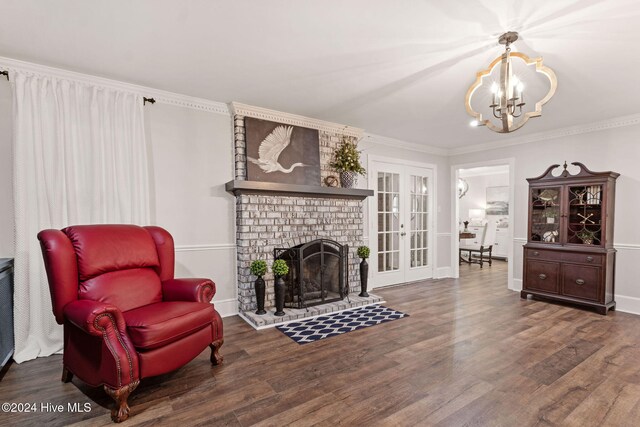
column 317, row 273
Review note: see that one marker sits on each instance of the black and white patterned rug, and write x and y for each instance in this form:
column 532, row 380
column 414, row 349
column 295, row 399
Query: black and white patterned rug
column 322, row 327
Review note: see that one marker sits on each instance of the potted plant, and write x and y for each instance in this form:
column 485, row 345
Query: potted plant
column 551, row 214
column 347, row 162
column 280, row 269
column 259, row 268
column 364, row 252
column 586, row 236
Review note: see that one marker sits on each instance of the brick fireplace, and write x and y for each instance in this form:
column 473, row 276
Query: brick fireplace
column 267, row 221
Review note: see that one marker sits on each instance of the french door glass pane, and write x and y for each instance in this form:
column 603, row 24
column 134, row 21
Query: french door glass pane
column 419, row 224
column 388, row 221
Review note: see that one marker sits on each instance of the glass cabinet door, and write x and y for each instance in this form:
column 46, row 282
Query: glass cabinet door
column 545, row 214
column 584, row 216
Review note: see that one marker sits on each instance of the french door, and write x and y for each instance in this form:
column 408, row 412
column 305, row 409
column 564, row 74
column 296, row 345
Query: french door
column 401, row 232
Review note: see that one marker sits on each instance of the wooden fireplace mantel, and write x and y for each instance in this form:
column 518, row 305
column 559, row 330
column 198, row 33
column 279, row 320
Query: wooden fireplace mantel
column 238, row 187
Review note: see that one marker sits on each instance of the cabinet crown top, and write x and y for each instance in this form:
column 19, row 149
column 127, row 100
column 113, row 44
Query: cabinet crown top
column 584, row 172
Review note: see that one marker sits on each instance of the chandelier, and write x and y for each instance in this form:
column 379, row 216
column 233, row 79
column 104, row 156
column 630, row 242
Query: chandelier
column 507, row 95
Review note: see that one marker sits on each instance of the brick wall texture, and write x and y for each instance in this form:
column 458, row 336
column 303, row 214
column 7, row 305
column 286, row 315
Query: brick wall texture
column 267, row 222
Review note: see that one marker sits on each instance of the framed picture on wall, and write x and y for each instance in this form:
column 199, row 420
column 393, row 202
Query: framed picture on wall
column 278, row 152
column 497, row 200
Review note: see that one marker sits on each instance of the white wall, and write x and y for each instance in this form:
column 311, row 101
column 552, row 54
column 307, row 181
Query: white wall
column 191, row 160
column 614, row 149
column 6, row 171
column 476, row 197
column 370, row 146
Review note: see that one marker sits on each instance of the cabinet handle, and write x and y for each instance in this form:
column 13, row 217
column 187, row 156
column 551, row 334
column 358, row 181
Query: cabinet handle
column 536, row 253
column 589, row 259
column 542, row 276
column 579, row 282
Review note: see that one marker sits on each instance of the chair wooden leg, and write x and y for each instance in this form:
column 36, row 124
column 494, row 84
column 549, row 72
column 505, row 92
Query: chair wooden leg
column 120, row 411
column 216, row 357
column 67, row 376
column 481, row 259
column 490, row 260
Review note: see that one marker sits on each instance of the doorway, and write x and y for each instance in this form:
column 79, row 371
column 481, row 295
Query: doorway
column 483, row 195
column 401, row 221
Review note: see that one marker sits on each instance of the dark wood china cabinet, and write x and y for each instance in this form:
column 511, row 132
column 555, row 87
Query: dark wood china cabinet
column 569, row 255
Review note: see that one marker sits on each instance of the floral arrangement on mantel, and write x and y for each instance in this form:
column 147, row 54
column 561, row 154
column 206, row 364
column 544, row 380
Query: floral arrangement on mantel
column 346, row 160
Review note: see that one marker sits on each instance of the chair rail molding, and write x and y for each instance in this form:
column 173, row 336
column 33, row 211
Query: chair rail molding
column 205, row 247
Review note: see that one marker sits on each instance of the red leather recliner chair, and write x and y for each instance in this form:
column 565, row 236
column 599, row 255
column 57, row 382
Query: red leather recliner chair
column 125, row 317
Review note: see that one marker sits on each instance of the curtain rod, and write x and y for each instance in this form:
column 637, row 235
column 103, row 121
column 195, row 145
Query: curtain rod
column 144, row 98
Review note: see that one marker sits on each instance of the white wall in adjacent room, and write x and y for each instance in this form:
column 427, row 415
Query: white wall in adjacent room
column 191, row 160
column 615, row 149
column 476, row 196
column 6, row 171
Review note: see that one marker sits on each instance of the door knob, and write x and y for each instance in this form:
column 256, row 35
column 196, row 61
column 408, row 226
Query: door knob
column 579, row 282
column 403, row 234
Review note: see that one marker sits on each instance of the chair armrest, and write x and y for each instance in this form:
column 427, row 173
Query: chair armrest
column 94, row 316
column 106, row 321
column 196, row 290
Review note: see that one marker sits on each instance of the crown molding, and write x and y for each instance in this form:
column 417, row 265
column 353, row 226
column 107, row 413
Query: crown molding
column 397, row 143
column 616, row 122
column 161, row 96
column 239, row 109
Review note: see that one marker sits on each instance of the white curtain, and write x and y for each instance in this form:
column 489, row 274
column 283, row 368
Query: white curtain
column 80, row 158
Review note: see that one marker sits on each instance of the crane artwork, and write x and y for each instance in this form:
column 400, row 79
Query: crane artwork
column 270, row 150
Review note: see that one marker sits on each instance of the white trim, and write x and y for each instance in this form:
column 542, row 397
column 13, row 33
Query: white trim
column 442, row 272
column 226, row 307
column 161, row 96
column 487, row 173
column 372, row 207
column 517, row 285
column 626, row 246
column 302, row 319
column 520, row 240
column 245, row 110
column 627, row 304
column 207, row 247
column 397, row 143
column 616, row 122
column 455, row 206
column 443, row 234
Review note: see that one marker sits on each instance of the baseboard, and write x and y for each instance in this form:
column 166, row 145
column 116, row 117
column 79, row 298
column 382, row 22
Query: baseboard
column 442, row 272
column 517, row 285
column 628, row 304
column 227, row 307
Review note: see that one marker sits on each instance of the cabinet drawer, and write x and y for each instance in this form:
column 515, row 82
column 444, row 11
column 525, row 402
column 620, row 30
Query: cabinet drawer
column 534, row 254
column 542, row 276
column 580, row 281
column 595, row 259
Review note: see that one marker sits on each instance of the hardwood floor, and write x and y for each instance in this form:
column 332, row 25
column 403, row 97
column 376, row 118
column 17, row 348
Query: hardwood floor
column 471, row 353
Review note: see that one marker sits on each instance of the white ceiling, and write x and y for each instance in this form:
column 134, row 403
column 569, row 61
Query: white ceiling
column 398, row 69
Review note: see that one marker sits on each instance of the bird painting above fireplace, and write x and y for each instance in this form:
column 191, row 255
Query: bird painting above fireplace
column 282, row 153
